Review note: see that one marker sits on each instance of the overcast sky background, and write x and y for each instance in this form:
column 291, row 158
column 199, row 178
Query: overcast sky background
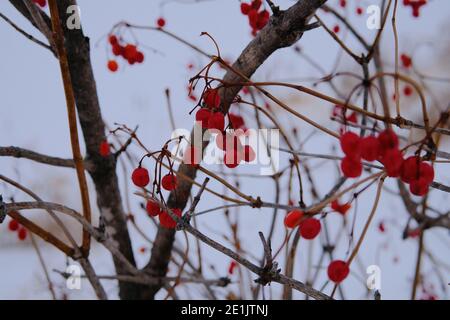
column 33, row 116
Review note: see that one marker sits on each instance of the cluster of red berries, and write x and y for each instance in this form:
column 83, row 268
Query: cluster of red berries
column 385, row 148
column 309, row 228
column 128, row 51
column 211, row 118
column 257, row 19
column 415, row 5
column 141, row 179
column 14, row 226
column 154, row 210
column 41, row 3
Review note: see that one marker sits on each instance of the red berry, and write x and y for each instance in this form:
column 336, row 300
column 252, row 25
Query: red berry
column 293, row 218
column 410, row 169
column 419, row 187
column 406, row 60
column 203, row 115
column 169, row 182
column 104, row 149
column 211, row 98
column 245, row 8
column 161, row 22
column 41, row 3
column 22, row 234
column 351, row 144
column 140, row 177
column 408, row 91
column 256, row 4
column 232, row 158
column 388, row 140
column 338, row 270
column 426, row 172
column 217, row 121
column 336, row 29
column 139, row 57
column 359, row 11
column 370, row 148
column 340, row 208
column 263, row 19
column 166, row 220
column 249, row 154
column 236, row 121
column 381, row 227
column 112, row 40
column 233, row 265
column 310, row 228
column 351, row 167
column 113, row 66
column 343, row 3
column 392, row 161
column 13, row 225
column 153, row 208
column 130, row 52
column 117, row 49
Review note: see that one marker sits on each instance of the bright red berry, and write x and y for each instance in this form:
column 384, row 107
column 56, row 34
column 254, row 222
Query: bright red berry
column 338, row 270
column 13, row 225
column 140, row 177
column 169, row 182
column 351, row 144
column 419, row 187
column 166, row 220
column 410, row 169
column 245, row 8
column 370, row 148
column 310, row 228
column 217, row 121
column 293, row 218
column 153, row 208
column 113, row 66
column 388, row 140
column 211, row 98
column 161, row 22
column 351, row 167
column 203, row 115
column 392, row 161
column 22, row 234
column 342, row 3
column 104, row 149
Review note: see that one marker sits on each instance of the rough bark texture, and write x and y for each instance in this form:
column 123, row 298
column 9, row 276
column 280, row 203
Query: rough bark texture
column 283, row 30
column 103, row 171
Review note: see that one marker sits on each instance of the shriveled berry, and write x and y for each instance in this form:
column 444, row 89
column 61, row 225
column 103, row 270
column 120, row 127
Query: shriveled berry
column 310, row 228
column 153, row 208
column 340, row 208
column 169, row 182
column 351, row 167
column 166, row 220
column 370, row 148
column 293, row 218
column 338, row 270
column 140, row 177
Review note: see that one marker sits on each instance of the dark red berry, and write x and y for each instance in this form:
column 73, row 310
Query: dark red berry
column 153, row 208
column 140, row 177
column 166, row 220
column 351, row 167
column 203, row 115
column 310, row 228
column 388, row 140
column 22, row 234
column 392, row 161
column 13, row 225
column 419, row 187
column 161, row 22
column 169, row 182
column 351, row 144
column 211, row 98
column 338, row 270
column 217, row 121
column 370, row 148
